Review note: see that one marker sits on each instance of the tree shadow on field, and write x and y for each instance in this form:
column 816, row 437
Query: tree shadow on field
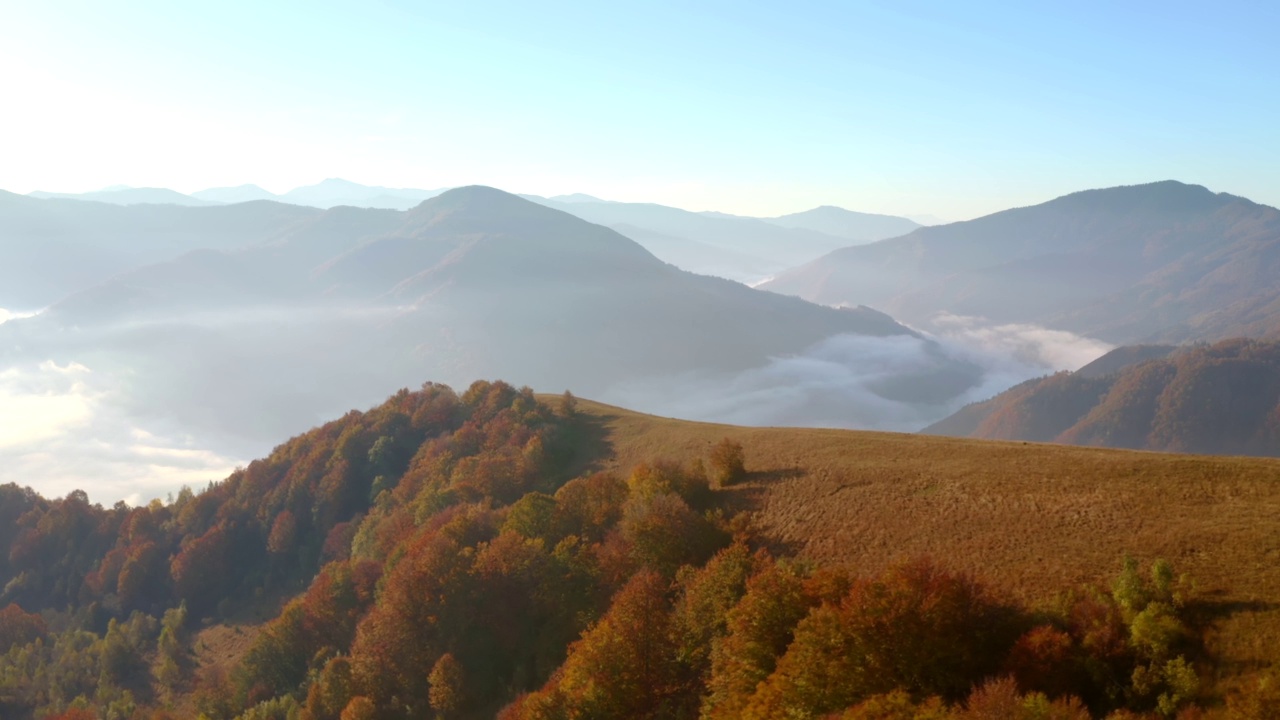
column 748, row 497
column 589, row 445
column 1208, row 610
column 1212, row 607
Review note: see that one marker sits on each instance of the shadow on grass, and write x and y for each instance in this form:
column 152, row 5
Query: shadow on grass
column 588, row 445
column 769, row 477
column 1209, row 610
column 1214, row 607
column 748, row 497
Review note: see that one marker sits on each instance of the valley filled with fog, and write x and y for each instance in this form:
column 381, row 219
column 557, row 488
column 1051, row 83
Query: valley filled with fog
column 149, row 346
column 169, row 362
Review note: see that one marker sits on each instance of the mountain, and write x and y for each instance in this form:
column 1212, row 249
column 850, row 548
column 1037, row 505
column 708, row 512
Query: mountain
column 495, row 553
column 752, row 248
column 237, row 194
column 1218, row 399
column 1157, row 263
column 326, row 194
column 335, row 191
column 734, row 247
column 130, row 196
column 574, row 198
column 497, row 269
column 53, row 247
column 699, row 257
column 926, row 219
column 856, row 227
column 345, row 304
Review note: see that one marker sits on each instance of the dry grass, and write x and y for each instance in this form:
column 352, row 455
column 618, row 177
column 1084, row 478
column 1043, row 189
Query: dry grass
column 1029, row 519
column 224, row 645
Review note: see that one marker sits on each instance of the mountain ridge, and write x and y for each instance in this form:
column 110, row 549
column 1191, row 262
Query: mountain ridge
column 1144, row 263
column 340, row 304
column 1213, row 399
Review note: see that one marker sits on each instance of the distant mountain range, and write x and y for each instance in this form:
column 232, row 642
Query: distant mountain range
column 857, row 227
column 1216, row 399
column 54, row 247
column 738, row 248
column 1165, row 262
column 299, row 313
column 250, row 320
column 325, row 194
column 131, row 196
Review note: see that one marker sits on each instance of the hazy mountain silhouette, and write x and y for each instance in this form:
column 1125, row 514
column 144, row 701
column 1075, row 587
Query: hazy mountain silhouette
column 325, row 194
column 571, row 198
column 52, row 247
column 1164, row 262
column 700, row 257
column 856, row 227
column 754, row 248
column 129, row 196
column 335, row 191
column 340, row 307
column 730, row 246
column 1219, row 399
column 926, row 219
column 237, row 194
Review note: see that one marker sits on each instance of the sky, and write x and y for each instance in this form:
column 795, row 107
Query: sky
column 949, row 109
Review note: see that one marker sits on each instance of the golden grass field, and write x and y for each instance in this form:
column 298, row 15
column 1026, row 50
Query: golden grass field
column 1029, row 519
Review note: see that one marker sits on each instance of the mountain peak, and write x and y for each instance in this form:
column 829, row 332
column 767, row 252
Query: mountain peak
column 479, row 193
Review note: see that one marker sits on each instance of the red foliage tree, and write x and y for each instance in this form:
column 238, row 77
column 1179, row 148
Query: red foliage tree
column 624, row 666
column 18, row 627
column 917, row 628
column 201, row 571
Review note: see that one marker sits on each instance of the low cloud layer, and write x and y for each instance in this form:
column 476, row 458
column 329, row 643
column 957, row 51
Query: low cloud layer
column 1025, row 344
column 64, row 428
column 141, row 424
column 854, row 381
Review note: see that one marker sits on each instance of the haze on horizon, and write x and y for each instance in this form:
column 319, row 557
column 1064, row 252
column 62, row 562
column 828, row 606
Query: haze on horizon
column 742, row 108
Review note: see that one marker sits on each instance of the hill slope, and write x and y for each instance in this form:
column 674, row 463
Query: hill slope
column 1164, row 262
column 1027, row 516
column 496, row 528
column 1222, row 399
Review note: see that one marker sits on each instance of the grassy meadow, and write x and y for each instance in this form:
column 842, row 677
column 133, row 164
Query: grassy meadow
column 1032, row 520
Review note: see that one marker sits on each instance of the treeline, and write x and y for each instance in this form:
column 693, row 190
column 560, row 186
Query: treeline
column 454, row 562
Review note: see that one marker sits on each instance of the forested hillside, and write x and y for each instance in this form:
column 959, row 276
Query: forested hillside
column 457, row 556
column 1220, row 399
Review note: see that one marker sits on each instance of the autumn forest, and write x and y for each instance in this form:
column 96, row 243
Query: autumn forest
column 459, row 556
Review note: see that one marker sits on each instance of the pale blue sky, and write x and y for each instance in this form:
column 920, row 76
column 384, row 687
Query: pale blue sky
column 954, row 109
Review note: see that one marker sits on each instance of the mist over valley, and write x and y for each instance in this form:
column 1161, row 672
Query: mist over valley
column 244, row 323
